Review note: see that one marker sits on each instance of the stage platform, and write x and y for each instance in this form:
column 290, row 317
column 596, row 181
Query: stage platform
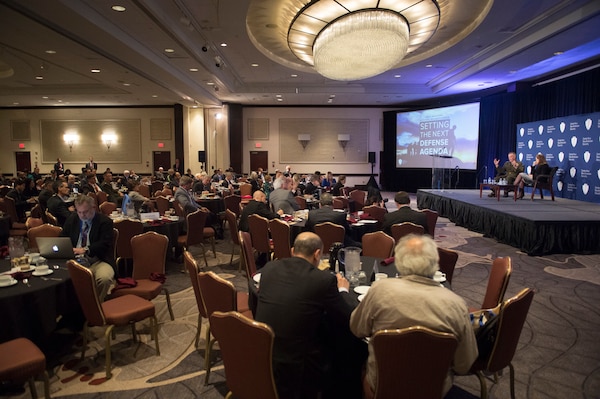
column 537, row 227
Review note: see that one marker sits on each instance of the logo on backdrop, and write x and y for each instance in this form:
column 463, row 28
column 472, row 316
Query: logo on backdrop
column 521, row 157
column 562, row 127
column 599, row 174
column 550, row 143
column 586, row 156
column 559, row 185
column 561, row 156
column 521, row 132
column 585, row 188
column 572, row 172
column 530, row 144
column 574, row 141
column 541, row 129
column 588, row 123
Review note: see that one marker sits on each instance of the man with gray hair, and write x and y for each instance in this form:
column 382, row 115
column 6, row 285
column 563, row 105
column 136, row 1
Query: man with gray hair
column 415, row 299
column 282, row 198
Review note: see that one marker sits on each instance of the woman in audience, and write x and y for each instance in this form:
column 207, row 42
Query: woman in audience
column 540, row 167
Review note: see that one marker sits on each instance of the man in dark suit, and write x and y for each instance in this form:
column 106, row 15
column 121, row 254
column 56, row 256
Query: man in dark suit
column 326, row 214
column 257, row 205
column 91, row 164
column 57, row 204
column 59, row 168
column 91, row 234
column 403, row 214
column 308, row 310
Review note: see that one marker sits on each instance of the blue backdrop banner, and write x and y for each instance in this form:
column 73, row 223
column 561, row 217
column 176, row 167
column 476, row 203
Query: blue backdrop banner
column 573, row 144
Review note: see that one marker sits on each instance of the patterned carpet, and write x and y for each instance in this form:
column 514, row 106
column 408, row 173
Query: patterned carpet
column 558, row 355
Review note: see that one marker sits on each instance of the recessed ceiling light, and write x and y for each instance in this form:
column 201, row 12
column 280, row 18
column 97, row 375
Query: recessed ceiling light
column 118, row 8
column 428, row 66
column 397, row 76
column 210, row 83
column 95, row 70
column 45, row 97
column 294, row 75
column 223, row 44
column 278, row 95
column 254, row 64
column 39, row 78
column 126, row 84
column 169, row 50
column 558, row 52
column 280, row 99
column 193, row 69
column 60, row 101
column 15, row 103
column 332, row 96
column 154, row 95
column 50, row 51
column 330, row 100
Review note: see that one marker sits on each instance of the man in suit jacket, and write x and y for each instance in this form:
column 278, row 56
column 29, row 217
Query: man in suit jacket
column 91, row 234
column 59, row 167
column 57, row 204
column 403, row 214
column 184, row 197
column 282, row 198
column 309, row 310
column 91, row 164
column 257, row 205
column 326, row 214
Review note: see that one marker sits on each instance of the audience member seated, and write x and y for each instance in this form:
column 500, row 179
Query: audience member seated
column 282, row 198
column 21, row 202
column 540, row 167
column 58, row 205
column 203, row 183
column 509, row 171
column 326, row 214
column 159, row 175
column 257, row 205
column 390, row 304
column 113, row 194
column 328, row 181
column 337, row 187
column 313, row 185
column 138, row 199
column 255, row 182
column 314, row 354
column 403, row 214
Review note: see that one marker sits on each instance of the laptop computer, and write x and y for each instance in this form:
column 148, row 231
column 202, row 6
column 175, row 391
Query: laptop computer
column 55, row 247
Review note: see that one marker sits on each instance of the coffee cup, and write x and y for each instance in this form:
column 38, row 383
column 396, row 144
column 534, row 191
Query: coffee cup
column 380, row 276
column 42, row 269
column 5, row 279
column 33, row 257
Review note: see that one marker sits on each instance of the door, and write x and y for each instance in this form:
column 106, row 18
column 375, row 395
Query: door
column 23, row 160
column 161, row 158
column 259, row 159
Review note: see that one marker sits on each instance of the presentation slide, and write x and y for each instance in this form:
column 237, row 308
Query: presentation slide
column 438, row 138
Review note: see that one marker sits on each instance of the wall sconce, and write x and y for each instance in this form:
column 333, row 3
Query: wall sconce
column 109, row 139
column 343, row 139
column 304, row 139
column 71, row 139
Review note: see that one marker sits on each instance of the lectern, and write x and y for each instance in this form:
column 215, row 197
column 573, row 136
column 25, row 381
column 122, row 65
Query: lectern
column 441, row 172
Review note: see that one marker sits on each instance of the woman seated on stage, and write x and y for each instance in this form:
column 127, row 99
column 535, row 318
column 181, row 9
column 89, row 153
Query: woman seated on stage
column 540, row 167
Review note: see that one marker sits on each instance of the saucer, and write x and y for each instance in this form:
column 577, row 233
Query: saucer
column 49, row 271
column 361, row 297
column 361, row 289
column 11, row 282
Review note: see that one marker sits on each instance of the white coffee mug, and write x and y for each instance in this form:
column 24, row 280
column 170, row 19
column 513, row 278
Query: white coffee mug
column 379, row 276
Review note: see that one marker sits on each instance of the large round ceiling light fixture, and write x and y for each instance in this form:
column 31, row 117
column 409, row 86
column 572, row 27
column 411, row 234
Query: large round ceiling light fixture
column 361, row 45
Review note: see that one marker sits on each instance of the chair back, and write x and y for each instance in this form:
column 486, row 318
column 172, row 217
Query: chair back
column 51, row 218
column 195, row 227
column 38, row 212
column 247, row 351
column 248, row 253
column 85, row 288
column 192, row 268
column 513, row 313
column 162, row 204
column 166, row 192
column 259, row 230
column 127, row 230
column 432, row 217
column 280, row 231
column 149, row 252
column 497, row 282
column 178, row 209
column 44, row 230
column 101, row 197
column 377, row 213
column 426, row 358
column 245, row 189
column 359, row 197
column 218, row 294
column 301, row 201
column 144, row 190
column 377, row 244
column 33, row 222
column 447, row 262
column 338, row 203
column 400, row 230
column 345, row 191
column 329, row 233
column 157, row 186
column 233, row 226
column 232, row 202
column 545, row 182
column 107, row 207
column 10, row 208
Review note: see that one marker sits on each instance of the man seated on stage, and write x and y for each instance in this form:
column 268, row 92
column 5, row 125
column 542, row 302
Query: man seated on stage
column 509, row 171
column 403, row 214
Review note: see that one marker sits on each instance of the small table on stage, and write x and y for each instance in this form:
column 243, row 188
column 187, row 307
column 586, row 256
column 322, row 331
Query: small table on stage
column 497, row 188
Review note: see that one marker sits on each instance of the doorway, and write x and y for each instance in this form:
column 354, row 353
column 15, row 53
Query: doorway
column 259, row 159
column 161, row 158
column 23, row 161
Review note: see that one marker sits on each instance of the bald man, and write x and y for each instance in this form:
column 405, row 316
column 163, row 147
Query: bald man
column 257, row 205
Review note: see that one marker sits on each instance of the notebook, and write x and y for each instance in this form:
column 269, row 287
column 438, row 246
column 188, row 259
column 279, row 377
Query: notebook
column 55, row 247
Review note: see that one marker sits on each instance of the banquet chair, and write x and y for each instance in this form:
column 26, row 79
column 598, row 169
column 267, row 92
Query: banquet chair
column 196, row 232
column 127, row 230
column 447, row 262
column 376, row 212
column 512, row 316
column 259, row 230
column 329, row 233
column 166, row 192
column 346, row 191
column 432, row 217
column 338, row 203
column 178, row 209
column 280, row 231
column 544, row 182
column 235, row 238
column 162, row 204
column 377, row 245
column 359, row 197
column 143, row 190
column 497, row 283
column 245, row 189
column 426, row 358
column 108, row 207
column 38, row 212
column 101, row 197
column 247, row 351
column 400, row 230
column 7, row 205
column 156, row 186
column 122, row 311
column 44, row 230
column 28, row 363
column 301, row 201
column 149, row 252
column 33, row 222
column 219, row 294
column 248, row 253
column 192, row 268
column 51, row 218
column 232, row 202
